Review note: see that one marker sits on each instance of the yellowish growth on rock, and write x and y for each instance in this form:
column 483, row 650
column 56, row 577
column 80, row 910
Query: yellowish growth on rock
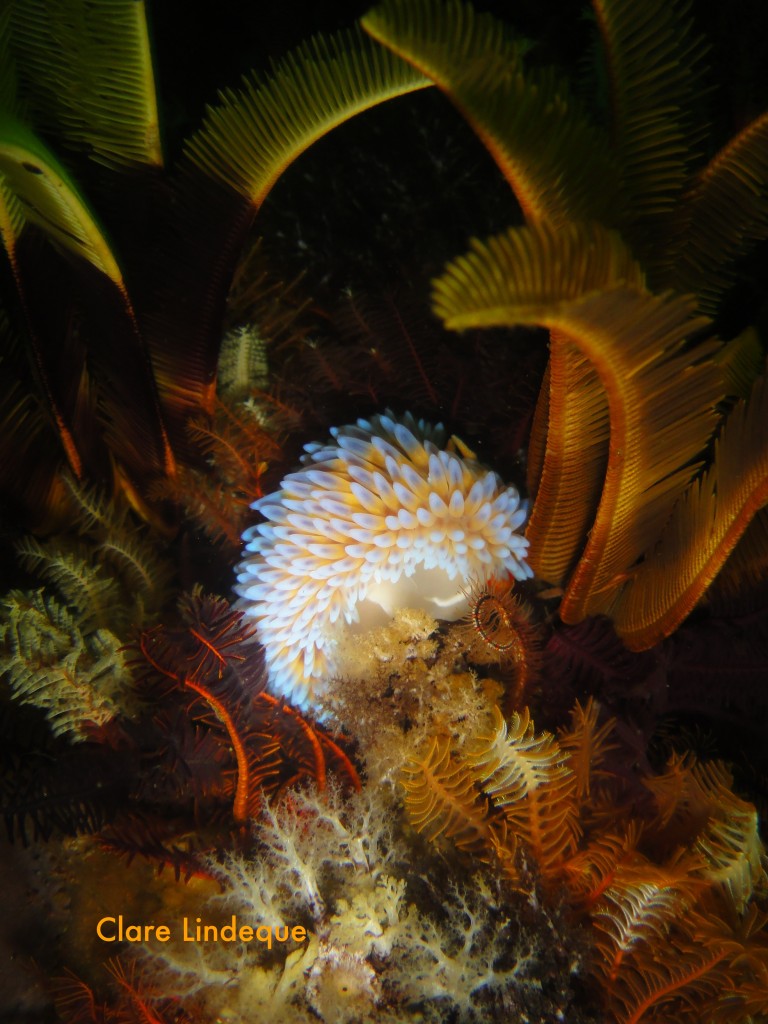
column 399, row 684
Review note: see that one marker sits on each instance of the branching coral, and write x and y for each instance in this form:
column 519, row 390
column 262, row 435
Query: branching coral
column 309, row 850
column 370, row 954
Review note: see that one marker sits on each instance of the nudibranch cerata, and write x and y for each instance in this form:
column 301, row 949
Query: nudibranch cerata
column 384, row 516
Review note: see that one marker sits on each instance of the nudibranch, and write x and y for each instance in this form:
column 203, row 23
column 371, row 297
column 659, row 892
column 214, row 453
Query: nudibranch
column 386, row 515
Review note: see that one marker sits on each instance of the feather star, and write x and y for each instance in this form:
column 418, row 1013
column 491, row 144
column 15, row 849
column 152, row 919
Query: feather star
column 384, row 516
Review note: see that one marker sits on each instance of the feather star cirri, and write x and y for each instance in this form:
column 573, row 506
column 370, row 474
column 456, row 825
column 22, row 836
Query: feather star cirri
column 384, row 516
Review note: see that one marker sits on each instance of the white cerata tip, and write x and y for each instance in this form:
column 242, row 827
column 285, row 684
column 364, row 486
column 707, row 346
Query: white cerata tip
column 382, row 517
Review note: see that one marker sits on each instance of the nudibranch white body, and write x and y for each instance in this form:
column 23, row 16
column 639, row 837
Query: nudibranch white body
column 384, row 516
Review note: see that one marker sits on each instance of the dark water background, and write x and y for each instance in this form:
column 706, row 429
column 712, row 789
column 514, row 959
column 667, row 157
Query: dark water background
column 394, row 162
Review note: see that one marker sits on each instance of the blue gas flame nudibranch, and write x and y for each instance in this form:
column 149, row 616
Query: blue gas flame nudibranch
column 384, row 516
